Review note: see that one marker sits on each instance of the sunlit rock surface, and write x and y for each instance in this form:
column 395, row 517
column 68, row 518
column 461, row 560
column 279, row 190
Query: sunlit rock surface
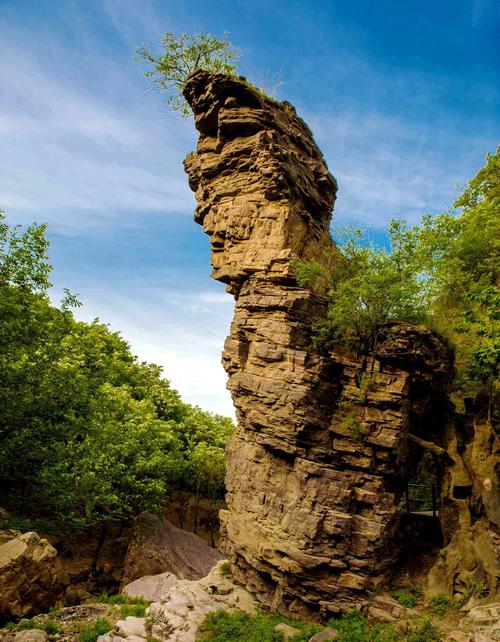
column 325, row 442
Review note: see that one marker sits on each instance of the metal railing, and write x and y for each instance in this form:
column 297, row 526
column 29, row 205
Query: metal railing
column 421, row 498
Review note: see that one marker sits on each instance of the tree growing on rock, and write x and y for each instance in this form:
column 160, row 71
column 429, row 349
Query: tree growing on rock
column 181, row 56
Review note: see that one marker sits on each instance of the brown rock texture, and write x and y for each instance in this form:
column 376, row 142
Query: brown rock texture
column 31, row 576
column 317, row 467
column 470, row 511
column 157, row 546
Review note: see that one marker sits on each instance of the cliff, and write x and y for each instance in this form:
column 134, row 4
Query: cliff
column 325, row 442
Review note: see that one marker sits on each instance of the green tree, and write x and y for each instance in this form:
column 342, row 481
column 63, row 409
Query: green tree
column 443, row 272
column 100, row 435
column 181, row 56
column 366, row 286
column 24, row 258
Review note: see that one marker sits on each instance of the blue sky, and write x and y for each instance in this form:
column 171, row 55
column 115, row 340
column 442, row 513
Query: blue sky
column 402, row 97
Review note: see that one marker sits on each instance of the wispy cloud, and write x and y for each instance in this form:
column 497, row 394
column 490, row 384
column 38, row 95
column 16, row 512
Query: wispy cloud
column 183, row 331
column 76, row 160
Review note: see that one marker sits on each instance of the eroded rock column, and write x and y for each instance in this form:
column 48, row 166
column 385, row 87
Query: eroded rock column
column 314, row 473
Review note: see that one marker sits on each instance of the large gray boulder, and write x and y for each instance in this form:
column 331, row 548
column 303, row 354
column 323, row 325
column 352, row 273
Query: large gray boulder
column 150, row 587
column 157, row 546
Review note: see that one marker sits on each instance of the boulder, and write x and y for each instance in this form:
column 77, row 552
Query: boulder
column 179, row 613
column 157, row 546
column 288, row 632
column 31, row 576
column 150, row 587
column 323, row 636
column 131, row 626
column 76, row 595
column 483, row 622
column 31, row 635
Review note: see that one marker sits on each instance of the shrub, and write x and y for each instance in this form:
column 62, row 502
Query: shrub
column 353, row 627
column 426, row 632
column 220, row 626
column 137, row 610
column 118, row 599
column 91, row 632
column 50, row 627
column 439, row 604
column 405, row 598
column 225, row 569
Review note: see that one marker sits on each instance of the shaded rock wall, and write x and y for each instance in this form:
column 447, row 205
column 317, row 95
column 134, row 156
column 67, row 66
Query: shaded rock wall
column 470, row 510
column 316, row 469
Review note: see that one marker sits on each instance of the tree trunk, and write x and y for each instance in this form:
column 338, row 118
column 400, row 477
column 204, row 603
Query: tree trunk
column 100, row 544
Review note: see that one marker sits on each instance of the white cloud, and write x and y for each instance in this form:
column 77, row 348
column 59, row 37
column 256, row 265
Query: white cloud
column 182, row 331
column 75, row 159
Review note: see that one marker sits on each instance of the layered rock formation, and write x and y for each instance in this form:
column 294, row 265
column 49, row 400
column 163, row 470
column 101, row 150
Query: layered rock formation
column 157, row 546
column 470, row 511
column 31, row 576
column 325, row 442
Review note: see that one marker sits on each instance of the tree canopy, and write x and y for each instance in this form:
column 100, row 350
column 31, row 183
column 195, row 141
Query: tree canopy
column 443, row 272
column 101, row 436
column 182, row 55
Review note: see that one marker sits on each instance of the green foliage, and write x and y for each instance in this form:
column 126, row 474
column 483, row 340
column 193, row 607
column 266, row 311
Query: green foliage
column 353, row 627
column 26, row 625
column 137, row 610
column 225, row 569
column 405, row 598
column 50, row 627
column 91, row 632
column 24, row 256
column 121, row 598
column 366, row 285
column 351, row 423
column 237, row 626
column 181, row 56
column 443, row 272
column 425, row 632
column 101, row 435
column 440, row 604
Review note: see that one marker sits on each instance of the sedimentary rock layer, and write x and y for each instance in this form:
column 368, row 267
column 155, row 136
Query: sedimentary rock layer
column 316, row 469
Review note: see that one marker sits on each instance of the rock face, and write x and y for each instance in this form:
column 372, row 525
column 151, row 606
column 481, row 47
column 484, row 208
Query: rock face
column 179, row 613
column 322, row 452
column 150, row 587
column 470, row 511
column 31, row 578
column 156, row 546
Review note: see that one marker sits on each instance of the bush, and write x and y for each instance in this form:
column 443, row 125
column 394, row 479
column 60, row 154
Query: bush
column 241, row 627
column 353, row 627
column 118, row 599
column 50, row 627
column 91, row 632
column 439, row 604
column 426, row 632
column 405, row 598
column 137, row 610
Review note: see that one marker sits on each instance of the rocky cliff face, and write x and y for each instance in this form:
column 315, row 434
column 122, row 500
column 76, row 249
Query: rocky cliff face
column 470, row 506
column 325, row 442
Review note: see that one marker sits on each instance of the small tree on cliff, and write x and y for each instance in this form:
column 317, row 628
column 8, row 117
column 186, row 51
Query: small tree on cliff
column 182, row 55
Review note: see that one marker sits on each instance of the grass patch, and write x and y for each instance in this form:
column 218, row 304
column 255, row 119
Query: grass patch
column 137, row 610
column 50, row 627
column 425, row 632
column 440, row 604
column 353, row 627
column 225, row 569
column 220, row 626
column 117, row 599
column 91, row 632
column 408, row 597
